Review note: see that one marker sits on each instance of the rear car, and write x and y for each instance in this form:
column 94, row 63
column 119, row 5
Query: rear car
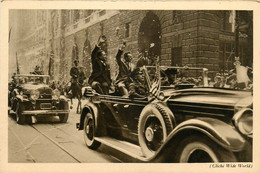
column 30, row 95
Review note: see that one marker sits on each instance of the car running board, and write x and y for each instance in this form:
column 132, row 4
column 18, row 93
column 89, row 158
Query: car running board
column 127, row 148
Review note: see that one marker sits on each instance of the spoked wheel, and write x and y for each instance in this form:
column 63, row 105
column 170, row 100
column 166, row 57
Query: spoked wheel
column 153, row 129
column 199, row 149
column 154, row 133
column 89, row 132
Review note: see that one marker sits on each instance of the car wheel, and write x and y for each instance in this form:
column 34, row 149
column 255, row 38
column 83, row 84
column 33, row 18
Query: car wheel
column 20, row 118
column 89, row 132
column 64, row 117
column 199, row 149
column 153, row 128
column 28, row 119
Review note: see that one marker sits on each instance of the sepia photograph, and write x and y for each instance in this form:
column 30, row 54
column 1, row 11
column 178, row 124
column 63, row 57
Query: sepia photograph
column 105, row 85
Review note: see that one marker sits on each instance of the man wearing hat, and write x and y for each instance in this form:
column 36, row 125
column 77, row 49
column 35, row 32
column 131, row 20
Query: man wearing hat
column 137, row 87
column 37, row 70
column 74, row 71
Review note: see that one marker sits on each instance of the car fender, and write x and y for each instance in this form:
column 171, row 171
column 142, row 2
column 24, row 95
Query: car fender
column 218, row 131
column 88, row 107
column 21, row 98
column 63, row 98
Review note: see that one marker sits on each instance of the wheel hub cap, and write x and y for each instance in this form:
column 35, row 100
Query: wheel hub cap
column 149, row 134
column 87, row 129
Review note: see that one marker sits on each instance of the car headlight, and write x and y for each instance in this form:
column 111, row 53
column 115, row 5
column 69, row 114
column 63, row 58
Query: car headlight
column 55, row 94
column 243, row 121
column 35, row 94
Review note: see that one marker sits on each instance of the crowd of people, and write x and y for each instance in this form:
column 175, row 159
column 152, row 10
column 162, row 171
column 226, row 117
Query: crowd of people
column 231, row 79
column 130, row 81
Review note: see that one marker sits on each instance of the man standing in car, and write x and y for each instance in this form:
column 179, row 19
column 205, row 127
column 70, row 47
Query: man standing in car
column 100, row 78
column 125, row 69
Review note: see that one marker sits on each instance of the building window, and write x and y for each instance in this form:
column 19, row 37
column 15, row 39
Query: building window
column 127, row 30
column 227, row 20
column 76, row 16
column 102, row 28
column 88, row 13
column 176, row 56
column 87, row 20
column 102, row 13
column 226, row 56
column 68, row 15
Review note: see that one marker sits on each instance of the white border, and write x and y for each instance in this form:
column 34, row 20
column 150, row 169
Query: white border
column 122, row 167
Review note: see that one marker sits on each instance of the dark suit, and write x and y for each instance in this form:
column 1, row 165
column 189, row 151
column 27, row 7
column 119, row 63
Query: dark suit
column 124, row 69
column 74, row 72
column 100, row 71
column 137, row 90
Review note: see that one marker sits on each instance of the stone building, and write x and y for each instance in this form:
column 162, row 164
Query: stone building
column 28, row 39
column 193, row 38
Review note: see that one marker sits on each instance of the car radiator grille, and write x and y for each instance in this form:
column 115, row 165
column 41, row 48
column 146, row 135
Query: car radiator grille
column 45, row 96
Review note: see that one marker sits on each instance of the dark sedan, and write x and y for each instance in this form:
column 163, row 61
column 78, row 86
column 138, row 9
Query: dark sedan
column 30, row 95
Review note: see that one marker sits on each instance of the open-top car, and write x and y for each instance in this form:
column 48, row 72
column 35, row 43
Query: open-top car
column 30, row 95
column 185, row 121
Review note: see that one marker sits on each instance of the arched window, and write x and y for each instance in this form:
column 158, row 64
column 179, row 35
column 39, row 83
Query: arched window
column 150, row 32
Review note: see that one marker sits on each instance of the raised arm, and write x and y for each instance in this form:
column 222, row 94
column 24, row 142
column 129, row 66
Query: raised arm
column 101, row 40
column 119, row 53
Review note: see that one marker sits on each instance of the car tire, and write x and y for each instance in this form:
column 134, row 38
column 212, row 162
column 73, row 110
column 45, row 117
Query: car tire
column 89, row 132
column 64, row 117
column 154, row 126
column 200, row 149
column 28, row 119
column 20, row 118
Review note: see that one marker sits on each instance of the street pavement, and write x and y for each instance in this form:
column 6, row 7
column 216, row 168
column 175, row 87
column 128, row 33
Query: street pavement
column 48, row 141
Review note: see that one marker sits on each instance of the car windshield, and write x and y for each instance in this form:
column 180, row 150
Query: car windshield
column 189, row 77
column 33, row 79
column 178, row 77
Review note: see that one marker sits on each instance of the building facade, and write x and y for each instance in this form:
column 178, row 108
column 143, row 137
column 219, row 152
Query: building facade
column 192, row 38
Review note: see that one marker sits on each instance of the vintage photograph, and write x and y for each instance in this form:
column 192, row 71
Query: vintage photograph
column 130, row 86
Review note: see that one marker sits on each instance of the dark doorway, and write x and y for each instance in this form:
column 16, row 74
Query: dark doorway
column 150, row 32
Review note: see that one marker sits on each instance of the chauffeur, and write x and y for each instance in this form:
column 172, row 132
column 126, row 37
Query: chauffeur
column 137, row 87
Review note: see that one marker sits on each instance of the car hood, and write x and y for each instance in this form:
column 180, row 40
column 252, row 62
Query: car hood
column 212, row 96
column 40, row 87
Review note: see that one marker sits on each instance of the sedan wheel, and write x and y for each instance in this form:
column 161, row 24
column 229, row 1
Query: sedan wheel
column 199, row 149
column 89, row 132
column 153, row 128
column 64, row 117
column 20, row 118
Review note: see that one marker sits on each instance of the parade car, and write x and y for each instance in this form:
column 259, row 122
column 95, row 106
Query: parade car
column 30, row 95
column 186, row 122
